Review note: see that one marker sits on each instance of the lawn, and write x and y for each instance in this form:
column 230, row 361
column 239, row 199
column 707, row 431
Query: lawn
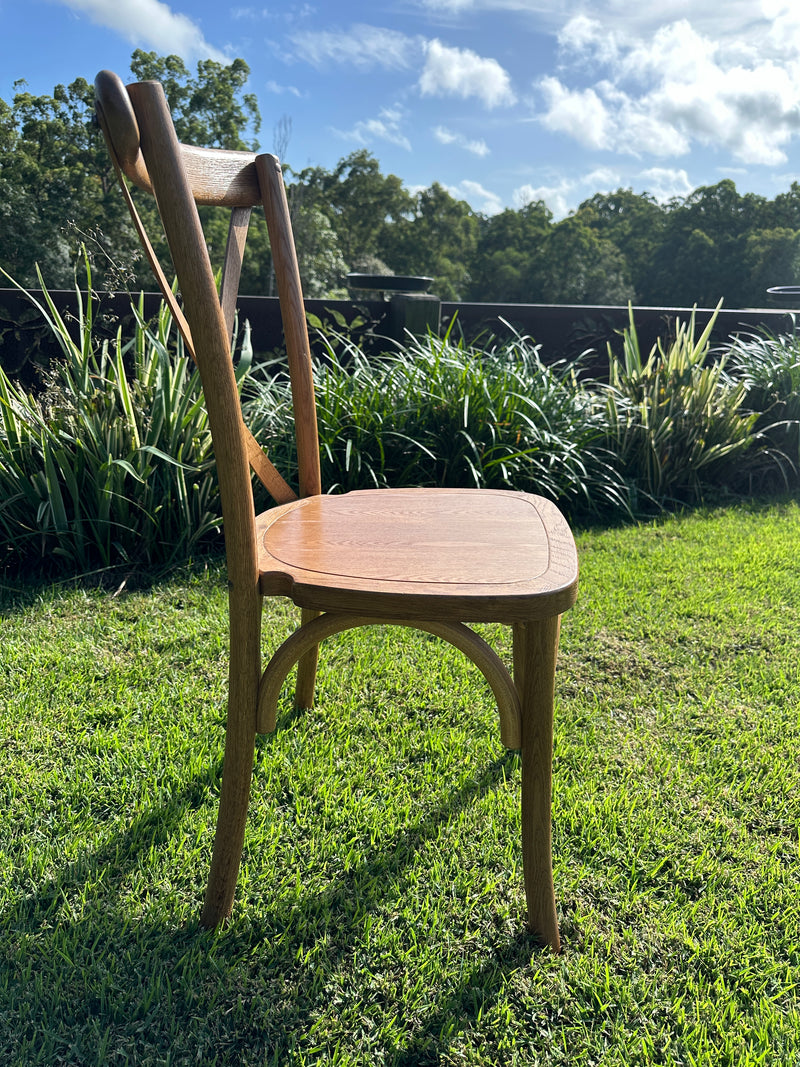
column 379, row 917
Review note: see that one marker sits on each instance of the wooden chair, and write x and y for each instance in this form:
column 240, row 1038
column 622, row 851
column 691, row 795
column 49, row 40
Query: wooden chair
column 434, row 559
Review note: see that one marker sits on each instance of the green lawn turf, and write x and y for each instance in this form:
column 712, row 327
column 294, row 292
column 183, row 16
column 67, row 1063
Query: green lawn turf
column 379, row 918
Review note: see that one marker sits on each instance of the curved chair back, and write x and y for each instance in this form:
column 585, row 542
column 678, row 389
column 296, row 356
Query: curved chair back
column 141, row 138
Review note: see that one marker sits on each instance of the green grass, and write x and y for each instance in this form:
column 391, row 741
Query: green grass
column 379, row 918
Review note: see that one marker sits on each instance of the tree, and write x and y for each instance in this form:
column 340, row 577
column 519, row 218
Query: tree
column 772, row 257
column 580, row 267
column 703, row 253
column 57, row 185
column 784, row 211
column 54, row 181
column 634, row 224
column 359, row 202
column 438, row 237
column 510, row 246
column 210, row 110
column 322, row 266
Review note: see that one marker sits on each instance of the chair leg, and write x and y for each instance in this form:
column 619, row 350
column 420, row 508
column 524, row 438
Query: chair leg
column 237, row 769
column 535, row 649
column 306, row 669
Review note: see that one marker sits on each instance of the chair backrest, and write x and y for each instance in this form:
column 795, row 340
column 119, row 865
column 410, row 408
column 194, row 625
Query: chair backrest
column 141, row 138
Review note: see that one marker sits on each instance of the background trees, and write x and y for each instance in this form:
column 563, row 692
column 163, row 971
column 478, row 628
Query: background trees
column 57, row 189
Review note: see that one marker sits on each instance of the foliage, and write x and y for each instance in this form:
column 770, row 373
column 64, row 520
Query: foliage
column 57, row 185
column 676, row 421
column 581, row 267
column 322, row 267
column 437, row 237
column 379, row 917
column 634, row 224
column 433, row 412
column 113, row 462
column 510, row 251
column 54, row 170
column 357, row 199
column 210, row 110
column 57, row 189
column 769, row 368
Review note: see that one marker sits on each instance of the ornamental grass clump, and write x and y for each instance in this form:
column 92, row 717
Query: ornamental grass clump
column 434, row 412
column 112, row 462
column 769, row 368
column 677, row 422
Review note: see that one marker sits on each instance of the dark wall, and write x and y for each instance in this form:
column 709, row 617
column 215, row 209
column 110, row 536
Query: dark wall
column 570, row 331
column 564, row 332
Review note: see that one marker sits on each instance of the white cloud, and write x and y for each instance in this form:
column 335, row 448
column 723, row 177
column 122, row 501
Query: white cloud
column 461, row 72
column 262, row 14
column 602, row 179
column 556, row 196
column 587, row 38
column 445, row 136
column 661, row 93
column 723, row 18
column 152, row 23
column 579, row 112
column 563, row 194
column 279, row 90
column 361, row 46
column 478, row 198
column 387, row 127
column 664, row 183
column 446, row 71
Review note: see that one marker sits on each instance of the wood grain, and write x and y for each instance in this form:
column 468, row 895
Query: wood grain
column 466, row 554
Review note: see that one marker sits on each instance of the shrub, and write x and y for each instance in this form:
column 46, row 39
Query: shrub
column 438, row 413
column 769, row 368
column 112, row 462
column 676, row 421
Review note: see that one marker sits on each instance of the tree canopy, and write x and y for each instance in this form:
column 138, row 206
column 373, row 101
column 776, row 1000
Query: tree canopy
column 57, row 189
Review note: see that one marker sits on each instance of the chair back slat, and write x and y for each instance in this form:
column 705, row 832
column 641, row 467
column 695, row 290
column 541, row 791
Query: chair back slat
column 120, row 125
column 290, row 293
column 232, row 265
column 215, row 176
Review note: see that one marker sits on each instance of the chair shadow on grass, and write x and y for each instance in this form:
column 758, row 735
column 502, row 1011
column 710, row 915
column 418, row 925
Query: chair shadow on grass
column 240, row 988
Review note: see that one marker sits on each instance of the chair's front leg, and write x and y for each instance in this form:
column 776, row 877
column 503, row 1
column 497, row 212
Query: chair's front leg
column 535, row 650
column 237, row 769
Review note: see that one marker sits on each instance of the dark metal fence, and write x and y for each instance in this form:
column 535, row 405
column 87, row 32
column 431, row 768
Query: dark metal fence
column 563, row 331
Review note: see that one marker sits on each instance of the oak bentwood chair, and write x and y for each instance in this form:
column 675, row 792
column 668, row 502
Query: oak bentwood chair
column 434, row 559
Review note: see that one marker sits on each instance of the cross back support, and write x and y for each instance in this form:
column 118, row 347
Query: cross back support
column 239, row 181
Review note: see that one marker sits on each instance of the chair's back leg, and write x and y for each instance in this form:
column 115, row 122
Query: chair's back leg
column 535, row 650
column 287, row 276
column 306, row 668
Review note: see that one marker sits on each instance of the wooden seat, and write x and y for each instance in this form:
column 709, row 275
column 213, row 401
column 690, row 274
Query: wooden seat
column 434, row 559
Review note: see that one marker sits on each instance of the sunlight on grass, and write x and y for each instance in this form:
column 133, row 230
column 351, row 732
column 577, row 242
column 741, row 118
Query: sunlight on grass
column 379, row 917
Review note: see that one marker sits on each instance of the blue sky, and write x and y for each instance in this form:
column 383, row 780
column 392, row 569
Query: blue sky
column 501, row 101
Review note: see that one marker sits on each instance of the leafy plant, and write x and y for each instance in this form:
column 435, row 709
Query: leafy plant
column 436, row 412
column 676, row 420
column 113, row 461
column 769, row 368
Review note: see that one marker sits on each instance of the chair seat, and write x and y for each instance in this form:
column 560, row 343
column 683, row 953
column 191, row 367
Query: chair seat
column 471, row 555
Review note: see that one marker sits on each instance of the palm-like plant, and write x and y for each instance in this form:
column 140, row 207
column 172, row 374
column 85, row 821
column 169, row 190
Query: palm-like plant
column 113, row 461
column 676, row 420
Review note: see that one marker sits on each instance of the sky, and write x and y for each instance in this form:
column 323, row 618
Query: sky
column 501, row 101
